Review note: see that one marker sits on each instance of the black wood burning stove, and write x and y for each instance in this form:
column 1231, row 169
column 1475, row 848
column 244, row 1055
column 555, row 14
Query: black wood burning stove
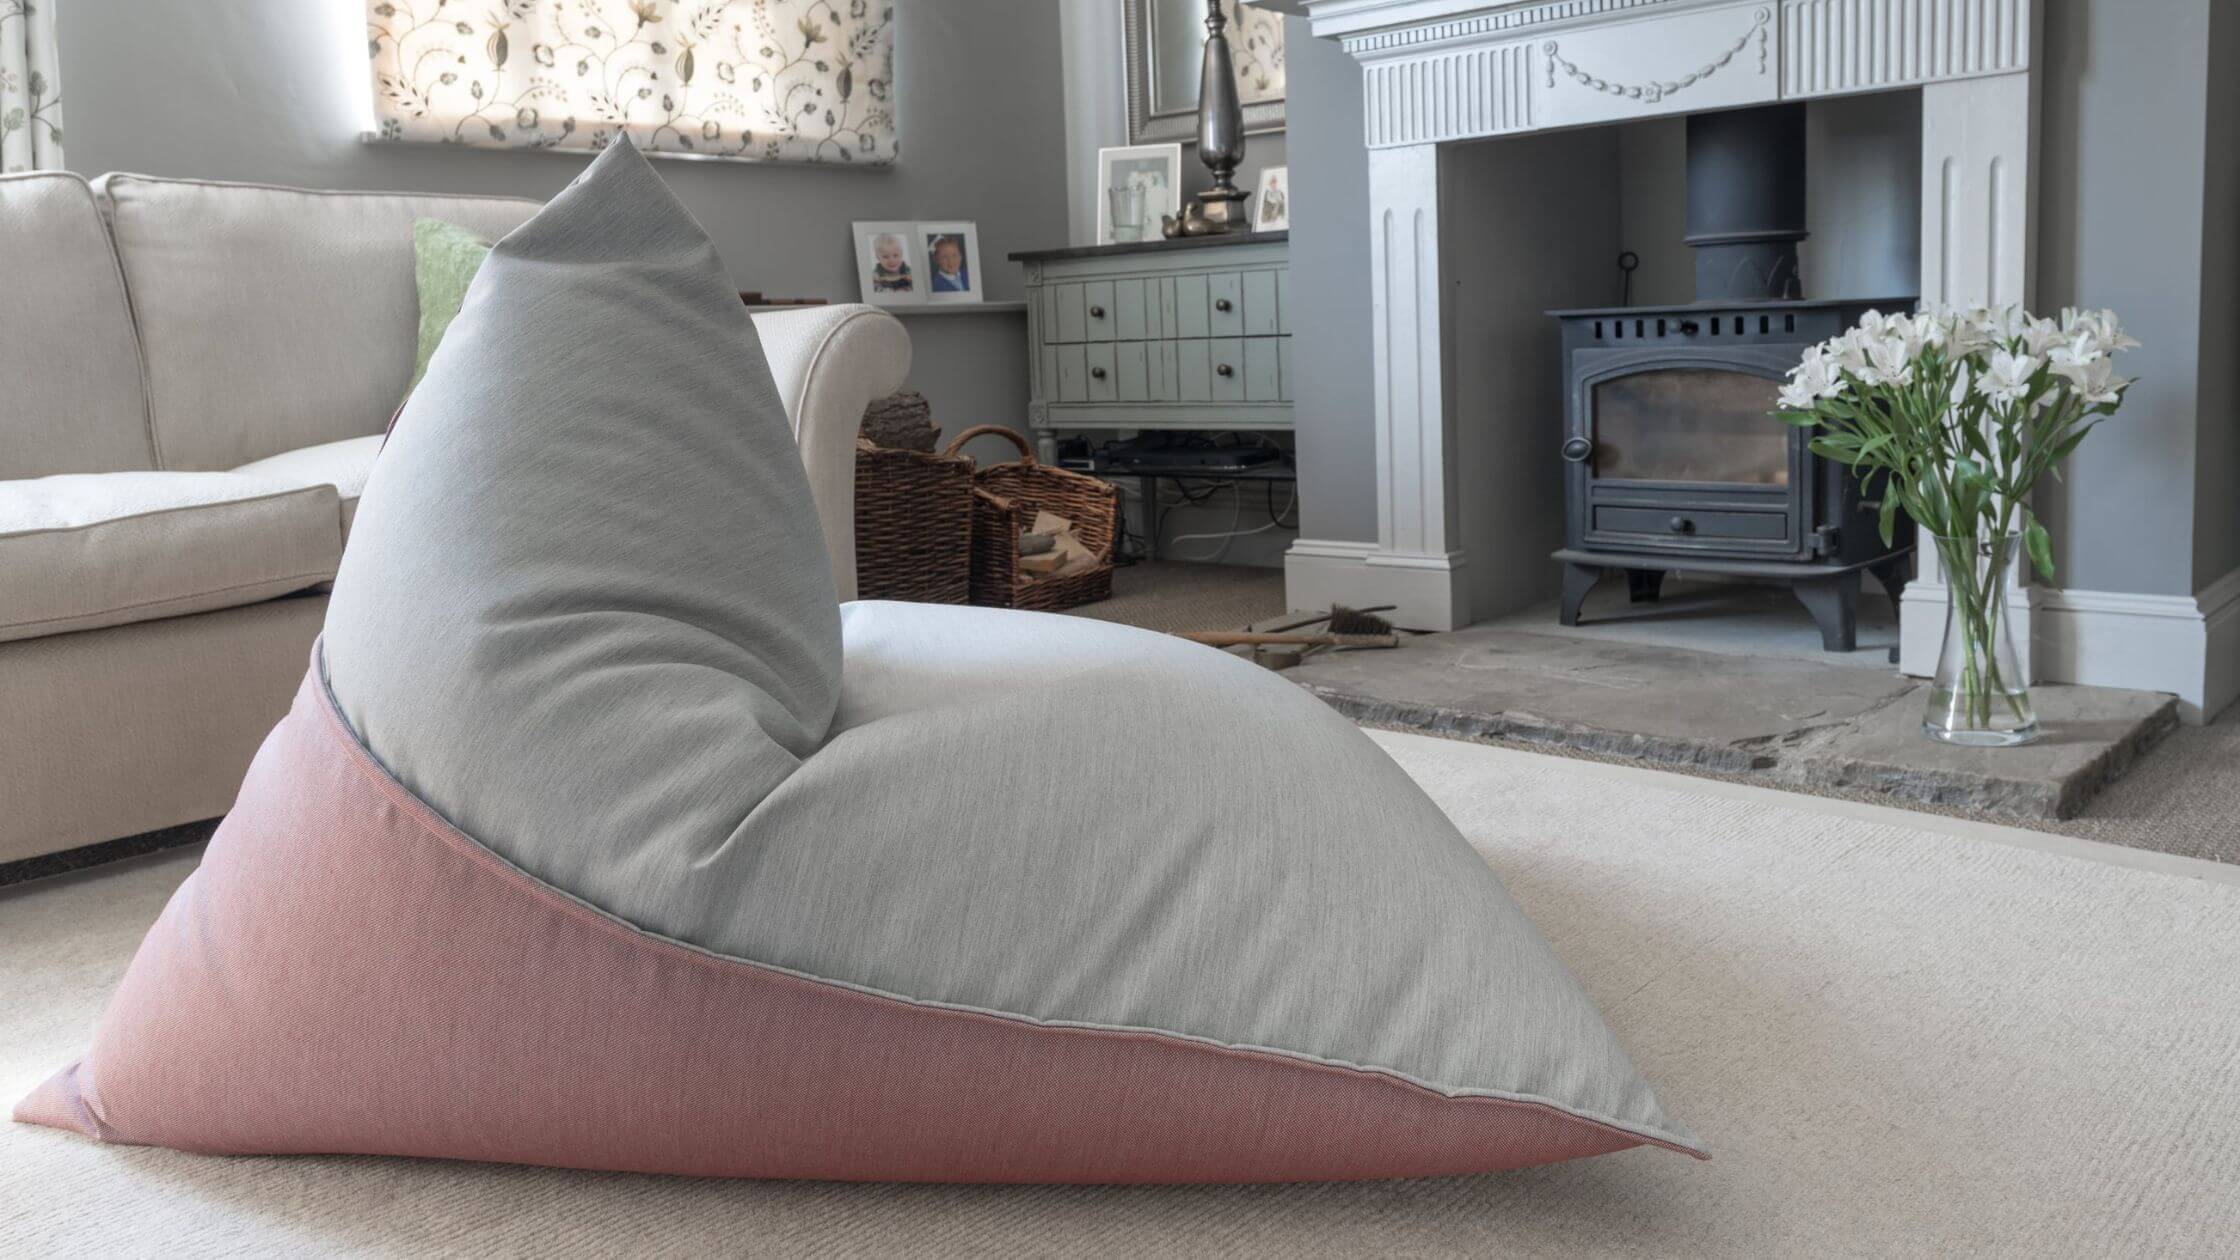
column 1673, row 456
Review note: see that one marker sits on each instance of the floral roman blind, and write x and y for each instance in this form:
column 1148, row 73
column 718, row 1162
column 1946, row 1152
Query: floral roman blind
column 30, row 103
column 753, row 80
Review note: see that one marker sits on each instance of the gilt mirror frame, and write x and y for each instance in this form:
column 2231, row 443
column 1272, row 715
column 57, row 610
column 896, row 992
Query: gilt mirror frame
column 1149, row 121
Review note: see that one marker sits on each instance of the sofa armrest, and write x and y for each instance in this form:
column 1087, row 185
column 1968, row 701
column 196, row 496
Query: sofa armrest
column 830, row 362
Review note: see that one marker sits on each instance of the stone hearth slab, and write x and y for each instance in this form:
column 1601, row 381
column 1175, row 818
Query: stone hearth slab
column 1785, row 721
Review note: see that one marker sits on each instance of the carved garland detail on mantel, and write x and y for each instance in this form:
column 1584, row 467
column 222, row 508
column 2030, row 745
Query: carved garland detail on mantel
column 1655, row 91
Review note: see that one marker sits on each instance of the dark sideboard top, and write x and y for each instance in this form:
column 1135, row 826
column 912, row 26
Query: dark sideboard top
column 1160, row 246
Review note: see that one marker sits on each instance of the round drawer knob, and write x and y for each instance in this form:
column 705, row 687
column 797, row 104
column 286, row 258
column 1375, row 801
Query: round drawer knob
column 1681, row 525
column 1096, row 312
column 1223, row 305
column 1577, row 449
column 1097, row 372
column 1224, row 370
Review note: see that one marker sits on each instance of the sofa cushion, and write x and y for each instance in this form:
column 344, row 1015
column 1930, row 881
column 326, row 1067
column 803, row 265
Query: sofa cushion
column 446, row 256
column 638, row 860
column 70, row 398
column 274, row 318
column 83, row 550
column 345, row 465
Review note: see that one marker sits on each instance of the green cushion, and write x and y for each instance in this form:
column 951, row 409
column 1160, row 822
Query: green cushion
column 445, row 257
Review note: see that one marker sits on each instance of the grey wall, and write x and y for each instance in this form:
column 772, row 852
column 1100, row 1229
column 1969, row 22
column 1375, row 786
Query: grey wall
column 2121, row 196
column 1334, row 402
column 2128, row 219
column 265, row 91
column 1560, row 193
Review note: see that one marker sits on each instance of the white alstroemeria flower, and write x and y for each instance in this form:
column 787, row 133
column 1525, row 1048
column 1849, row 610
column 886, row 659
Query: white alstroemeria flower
column 2041, row 336
column 2081, row 349
column 2094, row 379
column 2007, row 377
column 1889, row 362
column 2102, row 326
column 1968, row 328
column 1815, row 378
column 1849, row 352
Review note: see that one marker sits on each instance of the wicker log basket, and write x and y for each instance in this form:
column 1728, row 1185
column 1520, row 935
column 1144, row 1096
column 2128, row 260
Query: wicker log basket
column 913, row 525
column 1004, row 502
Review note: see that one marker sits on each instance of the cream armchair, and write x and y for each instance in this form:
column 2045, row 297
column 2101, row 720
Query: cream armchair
column 196, row 380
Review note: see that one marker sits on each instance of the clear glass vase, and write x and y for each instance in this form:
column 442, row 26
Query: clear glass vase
column 1980, row 697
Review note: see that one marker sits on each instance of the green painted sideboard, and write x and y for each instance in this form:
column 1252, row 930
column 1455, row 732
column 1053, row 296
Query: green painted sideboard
column 1187, row 334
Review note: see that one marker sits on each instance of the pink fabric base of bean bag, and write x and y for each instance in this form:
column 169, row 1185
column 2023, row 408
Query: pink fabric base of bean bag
column 347, row 973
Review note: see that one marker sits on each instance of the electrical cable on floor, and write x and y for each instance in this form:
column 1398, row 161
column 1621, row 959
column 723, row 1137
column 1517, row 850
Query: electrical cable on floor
column 1233, row 533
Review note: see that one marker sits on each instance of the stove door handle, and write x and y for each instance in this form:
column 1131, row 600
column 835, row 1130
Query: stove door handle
column 1577, row 450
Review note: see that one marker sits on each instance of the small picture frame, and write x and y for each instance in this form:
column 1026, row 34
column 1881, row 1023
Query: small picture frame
column 890, row 263
column 953, row 270
column 1271, row 205
column 1136, row 185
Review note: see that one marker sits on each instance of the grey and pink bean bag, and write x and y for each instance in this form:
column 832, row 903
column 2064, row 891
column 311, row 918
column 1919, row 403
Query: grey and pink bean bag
column 600, row 835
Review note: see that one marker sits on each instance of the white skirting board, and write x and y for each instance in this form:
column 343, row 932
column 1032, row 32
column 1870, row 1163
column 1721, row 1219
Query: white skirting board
column 2188, row 645
column 1427, row 591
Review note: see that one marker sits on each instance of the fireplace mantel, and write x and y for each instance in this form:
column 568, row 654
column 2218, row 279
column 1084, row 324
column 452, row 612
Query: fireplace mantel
column 1439, row 70
column 1435, row 72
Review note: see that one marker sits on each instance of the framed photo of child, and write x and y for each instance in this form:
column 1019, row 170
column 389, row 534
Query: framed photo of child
column 891, row 263
column 953, row 264
column 1272, row 209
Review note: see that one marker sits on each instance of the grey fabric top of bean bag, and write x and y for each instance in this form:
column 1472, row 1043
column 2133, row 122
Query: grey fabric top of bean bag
column 586, row 604
column 585, row 616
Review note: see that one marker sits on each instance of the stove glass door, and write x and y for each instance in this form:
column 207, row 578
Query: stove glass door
column 1690, row 425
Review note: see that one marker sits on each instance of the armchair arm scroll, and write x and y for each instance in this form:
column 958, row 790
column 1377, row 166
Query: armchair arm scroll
column 830, row 362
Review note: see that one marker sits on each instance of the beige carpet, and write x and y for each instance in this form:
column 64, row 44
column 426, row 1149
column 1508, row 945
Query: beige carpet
column 1171, row 596
column 1902, row 1035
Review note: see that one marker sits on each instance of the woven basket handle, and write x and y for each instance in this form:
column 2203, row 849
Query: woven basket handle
column 1026, row 452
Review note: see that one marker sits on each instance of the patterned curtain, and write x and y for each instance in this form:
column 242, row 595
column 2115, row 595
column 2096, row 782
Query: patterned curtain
column 753, row 80
column 30, row 95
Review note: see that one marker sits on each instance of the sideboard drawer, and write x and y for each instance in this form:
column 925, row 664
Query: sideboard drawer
column 1226, row 289
column 1132, row 370
column 1096, row 298
column 1069, row 312
column 1229, row 369
column 1104, row 367
column 1263, row 316
column 1073, row 374
column 1165, row 337
column 1191, row 306
column 1263, row 373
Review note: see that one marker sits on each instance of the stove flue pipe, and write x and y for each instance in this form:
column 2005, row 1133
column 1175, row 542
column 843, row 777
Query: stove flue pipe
column 1746, row 201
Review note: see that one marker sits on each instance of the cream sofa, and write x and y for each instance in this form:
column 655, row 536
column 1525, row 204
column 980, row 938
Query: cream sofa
column 194, row 378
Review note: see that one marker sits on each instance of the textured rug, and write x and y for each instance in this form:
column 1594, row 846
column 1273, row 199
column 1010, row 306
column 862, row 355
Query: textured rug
column 1902, row 1035
column 1171, row 596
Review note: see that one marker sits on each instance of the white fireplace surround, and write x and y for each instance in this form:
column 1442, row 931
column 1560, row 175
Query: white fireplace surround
column 1435, row 72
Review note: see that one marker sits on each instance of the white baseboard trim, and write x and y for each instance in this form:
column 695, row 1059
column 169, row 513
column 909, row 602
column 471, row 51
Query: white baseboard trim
column 2188, row 645
column 1428, row 591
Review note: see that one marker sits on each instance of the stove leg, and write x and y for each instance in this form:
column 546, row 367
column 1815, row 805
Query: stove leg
column 1578, row 579
column 1834, row 605
column 1644, row 586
